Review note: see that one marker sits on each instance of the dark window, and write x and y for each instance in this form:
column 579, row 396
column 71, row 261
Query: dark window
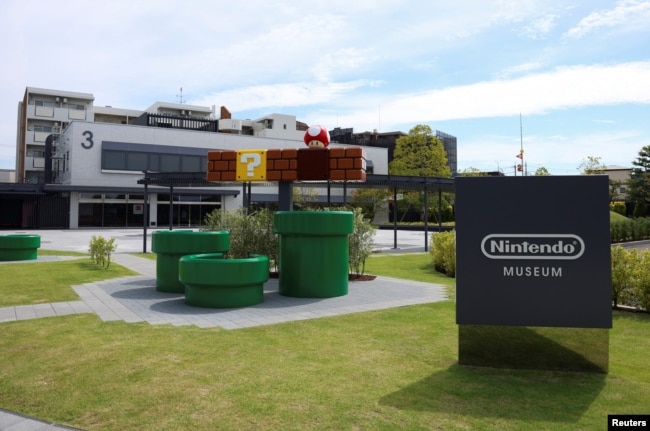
column 154, row 162
column 169, row 163
column 191, row 164
column 115, row 160
column 136, row 162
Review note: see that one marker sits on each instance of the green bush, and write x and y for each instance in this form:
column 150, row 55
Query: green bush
column 625, row 264
column 253, row 234
column 443, row 252
column 249, row 233
column 630, row 230
column 631, row 278
column 640, row 209
column 618, row 207
column 361, row 241
column 100, row 250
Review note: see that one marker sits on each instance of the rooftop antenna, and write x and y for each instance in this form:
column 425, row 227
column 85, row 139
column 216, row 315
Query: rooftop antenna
column 520, row 156
column 379, row 117
column 180, row 96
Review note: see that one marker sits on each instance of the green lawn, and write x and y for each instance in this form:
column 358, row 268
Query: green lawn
column 381, row 370
column 35, row 283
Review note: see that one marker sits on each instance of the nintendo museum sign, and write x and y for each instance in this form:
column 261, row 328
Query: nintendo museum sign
column 533, row 251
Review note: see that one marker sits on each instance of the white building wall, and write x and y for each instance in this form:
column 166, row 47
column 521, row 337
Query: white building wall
column 85, row 163
column 81, row 144
column 153, row 203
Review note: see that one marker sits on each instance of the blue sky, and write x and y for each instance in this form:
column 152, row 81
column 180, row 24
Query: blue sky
column 578, row 72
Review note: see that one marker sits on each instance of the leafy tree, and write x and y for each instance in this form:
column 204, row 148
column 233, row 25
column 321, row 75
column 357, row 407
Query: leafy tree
column 639, row 190
column 472, row 172
column 614, row 187
column 592, row 166
column 369, row 200
column 305, row 197
column 542, row 172
column 420, row 154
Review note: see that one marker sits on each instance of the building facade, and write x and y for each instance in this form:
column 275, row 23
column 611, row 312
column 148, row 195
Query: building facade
column 90, row 159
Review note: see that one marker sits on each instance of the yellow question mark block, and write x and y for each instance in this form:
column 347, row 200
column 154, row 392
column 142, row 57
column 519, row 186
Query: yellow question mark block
column 251, row 165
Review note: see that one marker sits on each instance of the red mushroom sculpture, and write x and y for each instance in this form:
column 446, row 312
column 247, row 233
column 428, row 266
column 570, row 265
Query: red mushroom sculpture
column 317, row 137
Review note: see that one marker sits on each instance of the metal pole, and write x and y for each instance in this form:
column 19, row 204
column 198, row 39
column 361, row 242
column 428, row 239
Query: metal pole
column 329, row 193
column 395, row 218
column 171, row 207
column 145, row 213
column 250, row 196
column 285, row 196
column 426, row 217
column 439, row 208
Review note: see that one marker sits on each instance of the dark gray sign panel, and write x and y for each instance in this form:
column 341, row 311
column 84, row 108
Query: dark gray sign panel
column 533, row 251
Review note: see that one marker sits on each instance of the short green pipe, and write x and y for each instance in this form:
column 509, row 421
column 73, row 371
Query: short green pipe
column 171, row 245
column 14, row 247
column 214, row 282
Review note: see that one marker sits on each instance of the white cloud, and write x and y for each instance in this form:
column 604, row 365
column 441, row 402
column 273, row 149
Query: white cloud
column 561, row 88
column 624, row 11
column 541, row 27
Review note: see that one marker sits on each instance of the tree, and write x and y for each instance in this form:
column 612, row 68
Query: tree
column 472, row 172
column 592, row 166
column 542, row 172
column 420, row 154
column 369, row 200
column 639, row 190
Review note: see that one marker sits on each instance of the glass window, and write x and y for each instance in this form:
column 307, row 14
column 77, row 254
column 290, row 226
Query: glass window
column 154, row 162
column 136, row 161
column 114, row 160
column 44, row 108
column 191, row 164
column 90, row 215
column 169, row 163
column 90, row 196
column 114, row 196
column 42, row 128
column 115, row 215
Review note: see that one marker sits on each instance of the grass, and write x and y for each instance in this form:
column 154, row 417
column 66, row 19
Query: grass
column 614, row 217
column 43, row 282
column 411, row 266
column 379, row 370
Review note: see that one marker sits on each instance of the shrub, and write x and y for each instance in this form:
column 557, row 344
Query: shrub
column 642, row 289
column 630, row 230
column 253, row 234
column 249, row 233
column 443, row 252
column 625, row 265
column 618, row 207
column 361, row 241
column 640, row 209
column 631, row 278
column 100, row 250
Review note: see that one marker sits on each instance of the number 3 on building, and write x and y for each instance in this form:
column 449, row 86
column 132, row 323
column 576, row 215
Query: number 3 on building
column 88, row 144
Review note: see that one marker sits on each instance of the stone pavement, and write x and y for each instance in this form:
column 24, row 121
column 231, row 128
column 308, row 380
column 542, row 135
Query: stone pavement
column 134, row 298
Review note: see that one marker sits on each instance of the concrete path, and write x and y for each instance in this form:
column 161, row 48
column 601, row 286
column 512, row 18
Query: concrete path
column 134, row 299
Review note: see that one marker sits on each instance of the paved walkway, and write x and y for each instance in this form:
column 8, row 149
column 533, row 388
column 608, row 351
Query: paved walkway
column 134, row 299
